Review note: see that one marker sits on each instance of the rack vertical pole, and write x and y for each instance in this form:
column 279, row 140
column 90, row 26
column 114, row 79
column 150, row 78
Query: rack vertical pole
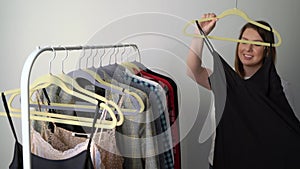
column 25, row 80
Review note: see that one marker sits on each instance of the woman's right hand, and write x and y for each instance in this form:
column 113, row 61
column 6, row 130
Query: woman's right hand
column 208, row 26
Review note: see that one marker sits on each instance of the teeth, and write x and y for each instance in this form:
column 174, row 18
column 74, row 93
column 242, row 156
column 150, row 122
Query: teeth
column 248, row 56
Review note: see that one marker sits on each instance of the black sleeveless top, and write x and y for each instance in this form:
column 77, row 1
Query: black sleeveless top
column 257, row 128
column 80, row 161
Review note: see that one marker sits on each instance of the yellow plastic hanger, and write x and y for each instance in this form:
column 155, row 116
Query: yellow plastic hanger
column 92, row 76
column 238, row 12
column 47, row 80
column 69, row 80
column 131, row 67
column 68, row 119
column 16, row 112
column 16, row 92
column 65, row 79
column 134, row 95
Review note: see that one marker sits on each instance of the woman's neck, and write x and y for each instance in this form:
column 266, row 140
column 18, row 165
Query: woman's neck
column 250, row 70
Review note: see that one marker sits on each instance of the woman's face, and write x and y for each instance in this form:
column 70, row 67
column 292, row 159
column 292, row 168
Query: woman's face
column 251, row 55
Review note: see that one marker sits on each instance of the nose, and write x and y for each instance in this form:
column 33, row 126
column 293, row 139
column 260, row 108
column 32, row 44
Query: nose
column 248, row 47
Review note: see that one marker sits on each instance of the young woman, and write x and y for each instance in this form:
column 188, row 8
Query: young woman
column 249, row 59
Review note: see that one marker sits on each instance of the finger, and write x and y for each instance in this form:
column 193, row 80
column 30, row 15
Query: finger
column 211, row 15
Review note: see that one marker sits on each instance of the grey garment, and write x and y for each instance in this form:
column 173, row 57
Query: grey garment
column 136, row 140
column 57, row 95
column 158, row 109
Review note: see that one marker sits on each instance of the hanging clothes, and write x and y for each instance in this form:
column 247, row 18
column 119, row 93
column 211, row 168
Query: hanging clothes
column 150, row 143
column 257, row 128
column 145, row 139
column 141, row 152
column 64, row 138
column 172, row 103
column 82, row 160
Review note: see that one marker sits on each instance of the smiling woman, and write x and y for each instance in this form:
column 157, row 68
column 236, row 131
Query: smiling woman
column 28, row 24
column 249, row 58
column 254, row 118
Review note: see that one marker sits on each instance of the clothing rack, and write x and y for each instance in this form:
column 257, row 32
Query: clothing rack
column 25, row 80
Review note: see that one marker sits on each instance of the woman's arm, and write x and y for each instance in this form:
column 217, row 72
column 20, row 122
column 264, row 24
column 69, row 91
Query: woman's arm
column 195, row 69
column 194, row 59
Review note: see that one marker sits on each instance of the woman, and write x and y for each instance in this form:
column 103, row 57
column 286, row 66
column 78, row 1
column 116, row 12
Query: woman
column 249, row 59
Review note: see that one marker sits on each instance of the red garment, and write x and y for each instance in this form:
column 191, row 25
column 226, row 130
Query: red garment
column 173, row 113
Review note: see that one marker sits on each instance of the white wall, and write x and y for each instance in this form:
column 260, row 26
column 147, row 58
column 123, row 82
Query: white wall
column 156, row 27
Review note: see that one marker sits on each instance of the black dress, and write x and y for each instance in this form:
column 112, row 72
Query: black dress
column 80, row 161
column 257, row 128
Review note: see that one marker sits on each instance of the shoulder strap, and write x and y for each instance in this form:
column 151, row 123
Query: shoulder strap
column 206, row 40
column 8, row 115
column 94, row 122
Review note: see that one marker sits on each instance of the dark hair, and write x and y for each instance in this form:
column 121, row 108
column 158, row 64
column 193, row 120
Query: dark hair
column 266, row 35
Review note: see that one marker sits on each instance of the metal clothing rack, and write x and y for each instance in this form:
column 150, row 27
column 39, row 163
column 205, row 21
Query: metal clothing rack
column 25, row 80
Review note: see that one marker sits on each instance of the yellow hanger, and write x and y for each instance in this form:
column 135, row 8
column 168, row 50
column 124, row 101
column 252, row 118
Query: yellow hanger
column 49, row 79
column 131, row 67
column 235, row 11
column 137, row 97
column 103, row 84
column 67, row 119
column 15, row 92
column 69, row 80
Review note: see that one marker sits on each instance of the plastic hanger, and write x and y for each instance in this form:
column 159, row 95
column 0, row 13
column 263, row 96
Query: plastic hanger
column 238, row 12
column 60, row 118
column 61, row 106
column 129, row 65
column 135, row 99
column 15, row 112
column 43, row 82
column 96, row 80
column 69, row 80
column 49, row 79
column 67, row 119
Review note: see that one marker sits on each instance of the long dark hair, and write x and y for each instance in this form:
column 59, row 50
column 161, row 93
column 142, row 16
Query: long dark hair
column 266, row 35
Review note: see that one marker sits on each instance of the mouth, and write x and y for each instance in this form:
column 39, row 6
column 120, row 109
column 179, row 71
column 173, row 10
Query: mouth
column 248, row 56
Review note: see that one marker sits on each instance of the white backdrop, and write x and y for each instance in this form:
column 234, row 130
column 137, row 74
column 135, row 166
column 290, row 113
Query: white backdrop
column 156, row 27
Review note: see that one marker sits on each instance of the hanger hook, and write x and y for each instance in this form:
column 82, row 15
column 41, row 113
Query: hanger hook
column 87, row 59
column 83, row 48
column 111, row 55
column 93, row 60
column 129, row 54
column 116, row 54
column 136, row 49
column 50, row 63
column 63, row 60
column 236, row 4
column 123, row 52
column 102, row 57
